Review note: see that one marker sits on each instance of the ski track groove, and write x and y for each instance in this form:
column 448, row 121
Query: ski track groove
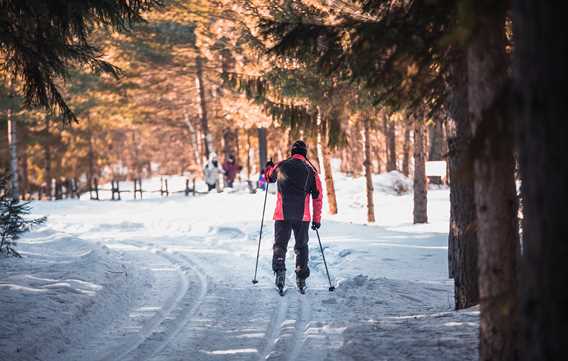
column 304, row 316
column 183, row 265
column 275, row 327
column 300, row 314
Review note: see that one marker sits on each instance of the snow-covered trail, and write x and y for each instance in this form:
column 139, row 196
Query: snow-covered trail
column 176, row 285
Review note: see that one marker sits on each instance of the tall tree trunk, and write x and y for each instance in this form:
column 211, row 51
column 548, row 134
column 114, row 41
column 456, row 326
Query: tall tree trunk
column 229, row 140
column 249, row 149
column 262, row 148
column 323, row 149
column 420, row 184
column 540, row 77
column 436, row 136
column 390, row 139
column 357, row 151
column 24, row 169
column 12, row 141
column 47, row 158
column 368, row 171
column 330, row 186
column 406, row 151
column 463, row 245
column 200, row 84
column 495, row 194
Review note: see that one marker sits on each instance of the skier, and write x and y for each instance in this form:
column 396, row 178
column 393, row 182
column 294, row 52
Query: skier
column 211, row 171
column 261, row 179
column 297, row 179
column 231, row 168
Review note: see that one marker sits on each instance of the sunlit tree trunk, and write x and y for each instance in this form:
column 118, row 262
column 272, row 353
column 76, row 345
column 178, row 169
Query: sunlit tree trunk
column 47, row 158
column 539, row 80
column 406, row 151
column 390, row 142
column 495, row 193
column 12, row 144
column 249, row 149
column 324, row 157
column 24, row 169
column 420, row 184
column 202, row 105
column 368, row 171
column 229, row 140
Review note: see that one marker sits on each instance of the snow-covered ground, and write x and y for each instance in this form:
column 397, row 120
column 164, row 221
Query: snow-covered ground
column 170, row 279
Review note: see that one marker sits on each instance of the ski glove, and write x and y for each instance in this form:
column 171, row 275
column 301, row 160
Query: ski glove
column 269, row 164
column 316, row 225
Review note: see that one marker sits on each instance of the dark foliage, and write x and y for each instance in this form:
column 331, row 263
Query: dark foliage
column 41, row 40
column 399, row 51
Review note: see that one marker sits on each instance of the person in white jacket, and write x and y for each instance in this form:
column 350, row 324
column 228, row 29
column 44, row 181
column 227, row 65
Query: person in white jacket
column 212, row 171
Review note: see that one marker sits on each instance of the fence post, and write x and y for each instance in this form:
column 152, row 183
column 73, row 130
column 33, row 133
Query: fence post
column 193, row 189
column 97, row 189
column 186, row 187
column 58, row 189
column 139, row 189
column 75, row 188
column 167, row 192
column 115, row 188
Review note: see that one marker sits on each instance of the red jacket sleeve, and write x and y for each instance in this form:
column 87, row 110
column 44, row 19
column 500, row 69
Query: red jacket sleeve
column 270, row 173
column 317, row 199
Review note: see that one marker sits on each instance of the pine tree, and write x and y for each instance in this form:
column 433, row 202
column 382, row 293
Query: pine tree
column 13, row 221
column 42, row 39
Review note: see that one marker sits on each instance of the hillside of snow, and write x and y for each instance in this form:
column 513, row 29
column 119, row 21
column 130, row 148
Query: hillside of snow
column 170, row 279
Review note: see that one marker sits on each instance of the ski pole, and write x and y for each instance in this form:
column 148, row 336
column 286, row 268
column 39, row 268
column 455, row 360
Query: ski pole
column 254, row 281
column 331, row 287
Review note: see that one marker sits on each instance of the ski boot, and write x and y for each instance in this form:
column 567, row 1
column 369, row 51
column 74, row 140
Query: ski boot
column 280, row 281
column 301, row 283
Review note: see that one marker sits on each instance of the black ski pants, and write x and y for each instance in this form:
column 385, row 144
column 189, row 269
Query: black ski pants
column 282, row 233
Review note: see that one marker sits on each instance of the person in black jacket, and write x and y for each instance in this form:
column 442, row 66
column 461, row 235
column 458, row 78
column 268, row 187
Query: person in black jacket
column 298, row 180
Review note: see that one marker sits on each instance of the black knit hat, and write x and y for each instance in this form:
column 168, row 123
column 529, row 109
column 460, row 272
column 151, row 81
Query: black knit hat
column 299, row 147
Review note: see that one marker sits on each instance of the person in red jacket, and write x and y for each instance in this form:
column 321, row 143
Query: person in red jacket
column 298, row 180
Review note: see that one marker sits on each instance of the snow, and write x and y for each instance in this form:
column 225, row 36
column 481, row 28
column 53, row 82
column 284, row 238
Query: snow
column 170, row 279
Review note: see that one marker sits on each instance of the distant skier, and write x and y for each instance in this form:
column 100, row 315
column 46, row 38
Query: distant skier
column 212, row 171
column 297, row 181
column 261, row 179
column 231, row 169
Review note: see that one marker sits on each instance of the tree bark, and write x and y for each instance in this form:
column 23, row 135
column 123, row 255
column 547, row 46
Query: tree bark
column 495, row 194
column 12, row 143
column 463, row 245
column 390, row 140
column 406, row 151
column 24, row 168
column 330, row 186
column 262, row 147
column 420, row 183
column 200, row 84
column 324, row 154
column 229, row 140
column 368, row 171
column 436, row 136
column 539, row 81
column 47, row 158
column 249, row 148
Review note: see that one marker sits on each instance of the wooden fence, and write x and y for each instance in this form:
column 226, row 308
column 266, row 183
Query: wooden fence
column 138, row 191
column 71, row 188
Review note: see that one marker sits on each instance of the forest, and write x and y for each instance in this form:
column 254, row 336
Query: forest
column 463, row 96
